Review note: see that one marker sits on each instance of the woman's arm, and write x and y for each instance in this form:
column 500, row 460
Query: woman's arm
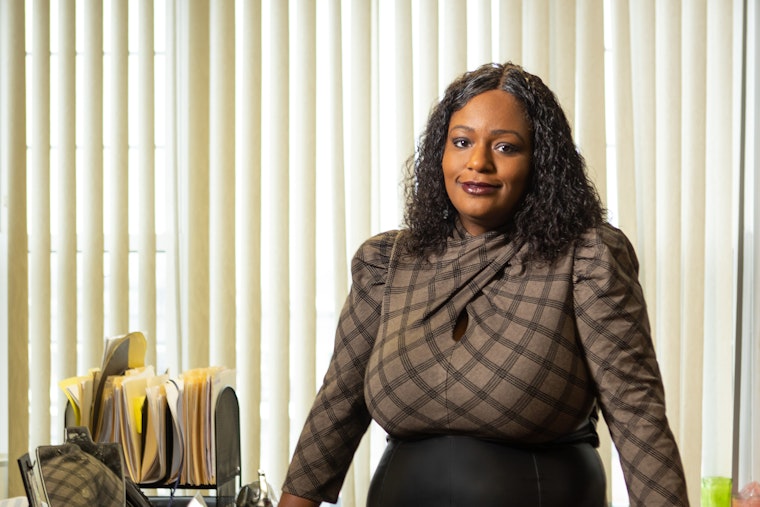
column 614, row 329
column 339, row 417
column 289, row 500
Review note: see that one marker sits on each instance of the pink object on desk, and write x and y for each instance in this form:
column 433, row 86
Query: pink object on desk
column 749, row 496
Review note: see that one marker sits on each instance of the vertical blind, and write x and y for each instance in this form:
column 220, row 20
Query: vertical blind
column 747, row 366
column 203, row 172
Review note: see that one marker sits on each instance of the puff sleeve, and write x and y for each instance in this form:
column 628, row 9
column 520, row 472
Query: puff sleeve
column 613, row 325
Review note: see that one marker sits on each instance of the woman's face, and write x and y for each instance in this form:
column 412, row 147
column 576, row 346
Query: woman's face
column 487, row 159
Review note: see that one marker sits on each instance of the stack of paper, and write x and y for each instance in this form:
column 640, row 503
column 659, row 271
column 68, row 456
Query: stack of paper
column 155, row 461
column 78, row 391
column 120, row 354
column 201, row 387
column 165, row 425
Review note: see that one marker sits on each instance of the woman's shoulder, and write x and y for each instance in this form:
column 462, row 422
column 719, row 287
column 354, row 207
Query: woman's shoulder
column 605, row 234
column 378, row 246
column 607, row 247
column 373, row 255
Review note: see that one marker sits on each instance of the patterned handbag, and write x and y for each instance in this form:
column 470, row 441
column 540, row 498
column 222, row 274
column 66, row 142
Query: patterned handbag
column 75, row 477
column 79, row 473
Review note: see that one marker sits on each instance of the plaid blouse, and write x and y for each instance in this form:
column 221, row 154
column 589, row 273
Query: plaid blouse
column 544, row 345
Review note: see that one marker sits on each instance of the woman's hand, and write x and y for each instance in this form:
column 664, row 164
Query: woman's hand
column 288, row 500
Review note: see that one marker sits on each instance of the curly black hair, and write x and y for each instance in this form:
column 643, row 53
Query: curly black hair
column 560, row 201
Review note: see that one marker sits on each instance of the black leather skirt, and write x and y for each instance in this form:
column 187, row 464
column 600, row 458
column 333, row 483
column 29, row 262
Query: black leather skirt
column 461, row 471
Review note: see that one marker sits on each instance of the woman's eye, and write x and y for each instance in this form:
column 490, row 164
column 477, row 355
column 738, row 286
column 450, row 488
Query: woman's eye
column 460, row 142
column 506, row 148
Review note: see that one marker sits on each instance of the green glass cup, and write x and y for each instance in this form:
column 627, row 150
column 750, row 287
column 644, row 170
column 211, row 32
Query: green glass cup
column 716, row 492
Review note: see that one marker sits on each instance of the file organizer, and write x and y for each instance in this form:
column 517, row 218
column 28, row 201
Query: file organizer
column 228, row 470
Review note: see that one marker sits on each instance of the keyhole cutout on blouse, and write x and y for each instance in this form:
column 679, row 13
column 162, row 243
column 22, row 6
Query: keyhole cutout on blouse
column 461, row 325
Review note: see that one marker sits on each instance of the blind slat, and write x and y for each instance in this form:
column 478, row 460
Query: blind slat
column 275, row 206
column 719, row 200
column 360, row 124
column 644, row 139
column 222, row 182
column 453, row 50
column 590, row 131
column 13, row 155
column 403, row 123
column 693, row 239
column 66, row 194
column 66, row 266
column 668, row 202
column 425, row 57
column 302, row 191
column 194, row 174
column 535, row 41
column 146, row 242
column 479, row 40
column 92, row 186
column 118, row 194
column 562, row 57
column 39, row 221
column 249, row 237
column 627, row 212
column 510, row 39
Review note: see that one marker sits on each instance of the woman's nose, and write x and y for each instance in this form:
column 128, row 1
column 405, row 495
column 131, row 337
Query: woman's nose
column 480, row 159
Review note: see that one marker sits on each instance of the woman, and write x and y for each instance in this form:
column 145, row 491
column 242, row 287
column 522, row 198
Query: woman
column 486, row 335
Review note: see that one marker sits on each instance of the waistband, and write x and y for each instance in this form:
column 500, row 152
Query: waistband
column 585, row 434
